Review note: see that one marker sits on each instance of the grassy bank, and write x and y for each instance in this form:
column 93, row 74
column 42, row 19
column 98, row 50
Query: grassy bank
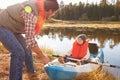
column 40, row 73
column 89, row 24
column 39, row 67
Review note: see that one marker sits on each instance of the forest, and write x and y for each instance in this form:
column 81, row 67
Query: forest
column 104, row 11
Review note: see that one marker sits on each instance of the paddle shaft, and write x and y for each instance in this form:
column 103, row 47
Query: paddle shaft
column 78, row 60
column 68, row 58
column 104, row 64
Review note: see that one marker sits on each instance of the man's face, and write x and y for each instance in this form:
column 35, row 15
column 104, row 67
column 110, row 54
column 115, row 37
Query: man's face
column 49, row 13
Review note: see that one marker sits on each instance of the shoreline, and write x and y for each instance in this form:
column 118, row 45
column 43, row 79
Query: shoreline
column 88, row 24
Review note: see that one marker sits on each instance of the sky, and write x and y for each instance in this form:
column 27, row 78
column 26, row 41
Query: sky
column 5, row 3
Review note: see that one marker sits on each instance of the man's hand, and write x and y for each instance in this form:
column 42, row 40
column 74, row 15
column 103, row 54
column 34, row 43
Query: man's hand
column 37, row 50
column 45, row 59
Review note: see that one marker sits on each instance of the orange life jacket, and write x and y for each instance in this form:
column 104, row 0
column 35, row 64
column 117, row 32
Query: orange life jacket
column 79, row 51
column 41, row 17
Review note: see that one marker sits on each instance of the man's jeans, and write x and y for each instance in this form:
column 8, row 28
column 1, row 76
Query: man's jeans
column 15, row 43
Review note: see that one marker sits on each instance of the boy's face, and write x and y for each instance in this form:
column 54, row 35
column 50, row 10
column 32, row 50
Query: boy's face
column 80, row 41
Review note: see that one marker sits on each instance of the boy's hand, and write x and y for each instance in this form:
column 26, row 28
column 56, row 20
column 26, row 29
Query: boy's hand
column 61, row 60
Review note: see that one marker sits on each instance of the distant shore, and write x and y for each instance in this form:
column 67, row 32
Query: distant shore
column 88, row 24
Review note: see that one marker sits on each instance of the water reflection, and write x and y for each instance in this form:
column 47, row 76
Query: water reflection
column 61, row 40
column 102, row 35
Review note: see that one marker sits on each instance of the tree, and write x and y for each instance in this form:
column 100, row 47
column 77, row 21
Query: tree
column 62, row 4
column 81, row 11
column 103, row 2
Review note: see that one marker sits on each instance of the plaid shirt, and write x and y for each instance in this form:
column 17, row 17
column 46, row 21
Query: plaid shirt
column 30, row 22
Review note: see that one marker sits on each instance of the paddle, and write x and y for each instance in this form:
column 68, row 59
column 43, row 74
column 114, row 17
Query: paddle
column 98, row 63
column 105, row 64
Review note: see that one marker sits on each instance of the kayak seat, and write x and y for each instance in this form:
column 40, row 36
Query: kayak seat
column 93, row 48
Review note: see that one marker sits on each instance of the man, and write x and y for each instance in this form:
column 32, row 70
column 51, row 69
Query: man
column 24, row 18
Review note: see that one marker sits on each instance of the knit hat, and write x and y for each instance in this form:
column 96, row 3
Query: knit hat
column 82, row 36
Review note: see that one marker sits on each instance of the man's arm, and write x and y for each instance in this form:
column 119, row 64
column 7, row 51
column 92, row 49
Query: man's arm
column 30, row 22
column 37, row 50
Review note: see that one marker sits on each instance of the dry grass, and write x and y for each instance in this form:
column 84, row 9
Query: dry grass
column 40, row 73
column 98, row 74
column 4, row 69
column 5, row 63
column 89, row 24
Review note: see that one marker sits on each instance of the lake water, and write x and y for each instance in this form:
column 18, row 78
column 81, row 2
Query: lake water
column 60, row 40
